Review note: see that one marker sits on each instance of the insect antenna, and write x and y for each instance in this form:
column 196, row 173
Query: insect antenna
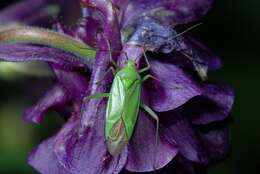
column 187, row 30
column 181, row 33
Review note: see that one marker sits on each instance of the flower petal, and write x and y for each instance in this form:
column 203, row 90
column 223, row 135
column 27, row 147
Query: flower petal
column 144, row 154
column 88, row 153
column 73, row 82
column 169, row 11
column 22, row 10
column 201, row 54
column 174, row 88
column 90, row 26
column 215, row 105
column 111, row 35
column 185, row 166
column 177, row 128
column 217, row 142
column 36, row 12
column 189, row 53
column 54, row 97
column 24, row 53
column 44, row 160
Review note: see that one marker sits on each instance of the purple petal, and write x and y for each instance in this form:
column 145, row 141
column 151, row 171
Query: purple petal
column 189, row 53
column 215, row 104
column 54, row 97
column 112, row 35
column 185, row 166
column 201, row 54
column 144, row 154
column 36, row 12
column 217, row 142
column 90, row 26
column 24, row 53
column 73, row 82
column 21, row 11
column 174, row 88
column 176, row 128
column 44, row 160
column 169, row 11
column 87, row 154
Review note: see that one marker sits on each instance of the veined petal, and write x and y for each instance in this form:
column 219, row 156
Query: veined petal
column 18, row 12
column 201, row 54
column 184, row 166
column 173, row 89
column 168, row 11
column 216, row 141
column 90, row 27
column 214, row 105
column 25, row 53
column 177, row 128
column 110, row 35
column 74, row 82
column 44, row 160
column 36, row 12
column 87, row 153
column 144, row 154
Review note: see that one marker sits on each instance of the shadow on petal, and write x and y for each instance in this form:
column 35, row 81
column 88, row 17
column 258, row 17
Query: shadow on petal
column 88, row 153
column 54, row 97
column 214, row 105
column 177, row 128
column 174, row 88
column 44, row 160
column 144, row 155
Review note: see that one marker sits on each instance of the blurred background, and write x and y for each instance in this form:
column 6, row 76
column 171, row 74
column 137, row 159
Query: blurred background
column 231, row 30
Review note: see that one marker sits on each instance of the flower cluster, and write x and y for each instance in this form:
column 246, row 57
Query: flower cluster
column 193, row 130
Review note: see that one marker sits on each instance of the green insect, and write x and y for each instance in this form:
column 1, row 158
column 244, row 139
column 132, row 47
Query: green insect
column 34, row 35
column 124, row 102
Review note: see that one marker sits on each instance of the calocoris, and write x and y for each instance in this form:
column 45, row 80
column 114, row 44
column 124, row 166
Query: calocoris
column 124, row 102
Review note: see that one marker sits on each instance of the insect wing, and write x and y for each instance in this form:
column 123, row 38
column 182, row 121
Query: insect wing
column 132, row 107
column 114, row 105
column 122, row 111
column 115, row 131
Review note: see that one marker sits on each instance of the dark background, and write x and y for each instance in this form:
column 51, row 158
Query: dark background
column 230, row 29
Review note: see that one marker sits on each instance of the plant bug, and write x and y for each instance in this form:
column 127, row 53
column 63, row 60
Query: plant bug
column 124, row 102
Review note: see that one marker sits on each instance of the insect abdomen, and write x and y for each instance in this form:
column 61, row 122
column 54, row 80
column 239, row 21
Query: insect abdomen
column 117, row 138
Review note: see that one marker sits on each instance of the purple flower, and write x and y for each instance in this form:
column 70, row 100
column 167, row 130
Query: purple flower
column 34, row 12
column 193, row 115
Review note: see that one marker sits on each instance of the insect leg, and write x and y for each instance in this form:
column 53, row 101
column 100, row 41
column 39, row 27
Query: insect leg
column 148, row 64
column 110, row 54
column 166, row 84
column 112, row 69
column 98, row 95
column 156, row 118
